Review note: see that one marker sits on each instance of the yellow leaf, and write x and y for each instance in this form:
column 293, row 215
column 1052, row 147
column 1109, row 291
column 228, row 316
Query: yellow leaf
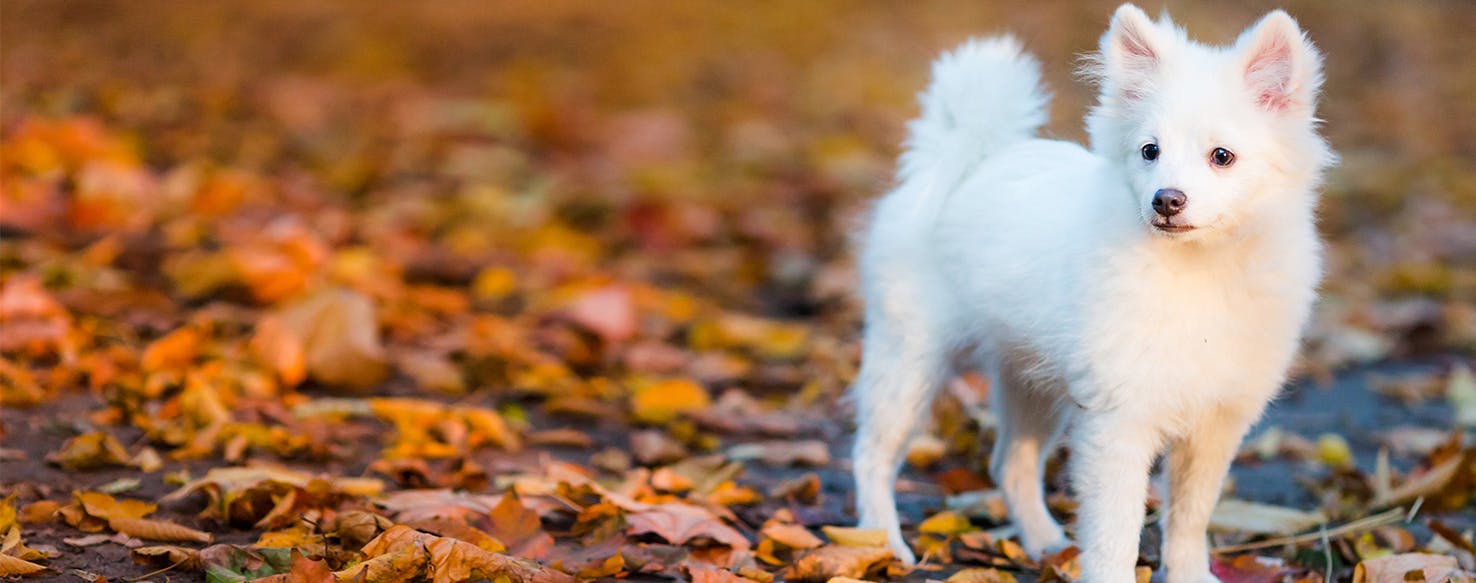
column 106, row 507
column 487, row 424
column 90, row 451
column 12, row 567
column 981, row 575
column 494, row 283
column 1333, row 450
column 946, row 523
column 855, row 537
column 663, row 401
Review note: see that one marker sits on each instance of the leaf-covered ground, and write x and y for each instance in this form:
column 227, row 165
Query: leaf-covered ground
column 553, row 290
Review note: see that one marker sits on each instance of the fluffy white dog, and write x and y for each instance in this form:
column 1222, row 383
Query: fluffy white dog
column 1148, row 292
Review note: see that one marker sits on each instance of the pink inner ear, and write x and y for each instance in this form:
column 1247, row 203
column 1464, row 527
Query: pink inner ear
column 1134, row 47
column 1269, row 73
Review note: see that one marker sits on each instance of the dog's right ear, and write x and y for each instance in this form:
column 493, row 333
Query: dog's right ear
column 1132, row 50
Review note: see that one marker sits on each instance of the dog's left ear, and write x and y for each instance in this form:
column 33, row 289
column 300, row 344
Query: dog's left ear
column 1282, row 69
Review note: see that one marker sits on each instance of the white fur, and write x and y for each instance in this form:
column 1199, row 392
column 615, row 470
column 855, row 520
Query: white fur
column 1036, row 262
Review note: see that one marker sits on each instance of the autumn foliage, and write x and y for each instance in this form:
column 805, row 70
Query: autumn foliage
column 558, row 290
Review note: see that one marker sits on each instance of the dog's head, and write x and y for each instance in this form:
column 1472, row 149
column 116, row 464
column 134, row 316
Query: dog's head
column 1209, row 137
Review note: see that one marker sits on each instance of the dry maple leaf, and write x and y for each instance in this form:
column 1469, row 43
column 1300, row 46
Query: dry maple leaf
column 448, row 560
column 679, row 523
column 837, row 561
column 519, row 528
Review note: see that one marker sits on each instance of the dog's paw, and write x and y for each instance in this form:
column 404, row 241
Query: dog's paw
column 1048, row 542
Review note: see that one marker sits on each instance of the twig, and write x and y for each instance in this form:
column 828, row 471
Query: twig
column 1413, row 510
column 1326, row 553
column 165, row 569
column 1368, row 522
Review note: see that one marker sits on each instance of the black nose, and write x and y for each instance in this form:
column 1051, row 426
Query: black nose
column 1169, row 201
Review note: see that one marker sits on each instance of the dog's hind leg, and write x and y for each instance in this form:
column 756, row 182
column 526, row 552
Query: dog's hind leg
column 900, row 373
column 1030, row 423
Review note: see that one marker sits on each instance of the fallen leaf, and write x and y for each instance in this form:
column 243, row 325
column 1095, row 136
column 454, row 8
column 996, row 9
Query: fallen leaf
column 608, row 311
column 810, row 452
column 90, row 451
column 1232, row 515
column 1407, row 567
column 981, row 575
column 519, row 528
column 1460, row 392
column 663, row 401
column 157, row 530
column 837, row 561
column 13, row 567
column 680, row 523
column 947, row 522
column 340, row 336
column 855, row 537
column 1248, row 569
column 793, row 536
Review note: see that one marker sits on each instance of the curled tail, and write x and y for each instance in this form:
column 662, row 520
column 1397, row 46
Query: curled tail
column 985, row 95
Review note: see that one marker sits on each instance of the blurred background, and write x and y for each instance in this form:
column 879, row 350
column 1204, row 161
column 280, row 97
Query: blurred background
column 569, row 199
column 729, row 146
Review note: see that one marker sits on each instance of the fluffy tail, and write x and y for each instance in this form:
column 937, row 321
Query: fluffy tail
column 985, row 95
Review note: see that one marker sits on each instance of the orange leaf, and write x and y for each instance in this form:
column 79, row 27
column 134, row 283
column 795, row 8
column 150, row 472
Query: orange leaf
column 519, row 528
column 281, row 349
column 158, row 530
column 663, row 401
column 340, row 336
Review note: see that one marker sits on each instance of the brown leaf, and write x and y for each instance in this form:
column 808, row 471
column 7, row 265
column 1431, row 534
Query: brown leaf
column 679, row 523
column 519, row 528
column 165, row 555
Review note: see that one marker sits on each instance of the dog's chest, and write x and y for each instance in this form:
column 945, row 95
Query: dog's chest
column 1185, row 338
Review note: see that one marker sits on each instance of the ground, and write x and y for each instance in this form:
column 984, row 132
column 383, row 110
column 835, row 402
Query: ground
column 558, row 289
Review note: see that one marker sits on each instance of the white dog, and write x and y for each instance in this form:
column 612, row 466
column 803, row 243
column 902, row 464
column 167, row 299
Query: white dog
column 1149, row 291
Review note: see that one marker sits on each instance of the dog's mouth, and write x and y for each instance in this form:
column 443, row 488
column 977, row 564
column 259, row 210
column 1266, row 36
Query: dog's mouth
column 1169, row 227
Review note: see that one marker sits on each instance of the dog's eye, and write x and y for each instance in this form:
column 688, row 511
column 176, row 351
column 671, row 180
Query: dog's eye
column 1222, row 157
column 1149, row 151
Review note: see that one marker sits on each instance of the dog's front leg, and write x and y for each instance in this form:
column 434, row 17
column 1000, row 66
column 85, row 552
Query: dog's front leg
column 1197, row 464
column 1111, row 455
